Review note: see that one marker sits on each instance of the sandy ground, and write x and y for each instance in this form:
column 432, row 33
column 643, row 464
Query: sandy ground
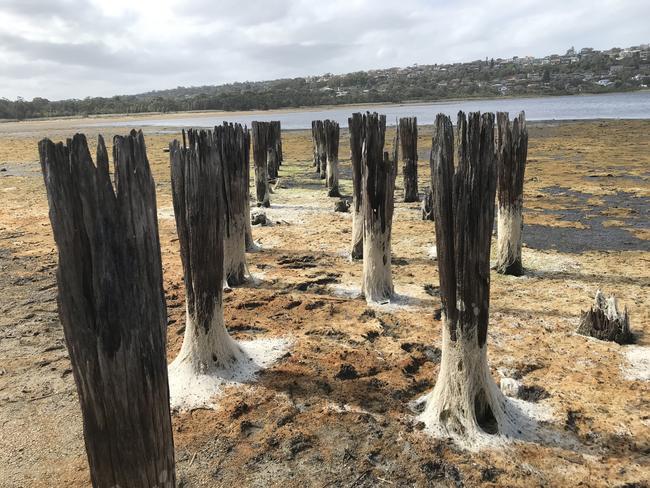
column 303, row 423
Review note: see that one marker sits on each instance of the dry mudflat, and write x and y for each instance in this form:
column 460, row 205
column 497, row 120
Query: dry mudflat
column 336, row 410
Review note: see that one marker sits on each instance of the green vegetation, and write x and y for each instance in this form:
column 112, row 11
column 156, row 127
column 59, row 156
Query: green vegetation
column 587, row 71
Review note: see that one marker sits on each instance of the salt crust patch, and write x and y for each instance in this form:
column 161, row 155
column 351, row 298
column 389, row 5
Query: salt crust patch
column 432, row 252
column 257, row 278
column 406, row 297
column 294, row 214
column 165, row 213
column 282, row 212
column 345, row 408
column 189, row 391
column 256, row 247
column 345, row 290
column 637, row 365
column 528, row 417
column 546, row 262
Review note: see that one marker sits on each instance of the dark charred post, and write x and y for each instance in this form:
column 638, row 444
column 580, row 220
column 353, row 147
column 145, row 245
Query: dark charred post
column 196, row 190
column 232, row 142
column 112, row 306
column 277, row 128
column 379, row 172
column 274, row 157
column 331, row 130
column 465, row 401
column 512, row 149
column 322, row 144
column 356, row 126
column 250, row 244
column 408, row 136
column 604, row 321
column 197, row 183
column 261, row 135
column 272, row 162
column 319, row 143
column 427, row 202
column 314, row 143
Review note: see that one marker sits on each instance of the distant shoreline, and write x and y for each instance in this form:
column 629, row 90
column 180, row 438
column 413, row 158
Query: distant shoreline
column 306, row 108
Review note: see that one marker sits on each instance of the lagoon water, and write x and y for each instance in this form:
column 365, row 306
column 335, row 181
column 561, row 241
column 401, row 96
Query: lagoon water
column 632, row 105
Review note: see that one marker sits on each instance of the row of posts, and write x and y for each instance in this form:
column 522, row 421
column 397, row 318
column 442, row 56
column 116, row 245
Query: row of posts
column 111, row 299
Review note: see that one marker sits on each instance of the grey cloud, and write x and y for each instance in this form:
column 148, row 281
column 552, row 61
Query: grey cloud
column 217, row 41
column 78, row 14
column 93, row 55
column 249, row 12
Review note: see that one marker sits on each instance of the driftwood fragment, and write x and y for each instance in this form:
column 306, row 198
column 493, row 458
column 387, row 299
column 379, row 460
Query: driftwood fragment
column 427, row 204
column 605, row 322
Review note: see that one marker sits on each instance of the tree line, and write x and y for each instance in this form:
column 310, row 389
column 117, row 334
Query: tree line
column 485, row 78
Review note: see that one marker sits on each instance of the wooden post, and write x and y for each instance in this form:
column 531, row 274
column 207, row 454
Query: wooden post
column 356, row 125
column 319, row 143
column 260, row 154
column 465, row 403
column 197, row 193
column 314, row 143
column 233, row 143
column 112, row 306
column 277, row 129
column 322, row 144
column 379, row 173
column 408, row 135
column 512, row 149
column 331, row 130
column 274, row 149
column 250, row 243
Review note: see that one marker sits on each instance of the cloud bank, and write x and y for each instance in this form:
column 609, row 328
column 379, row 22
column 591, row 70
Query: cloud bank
column 77, row 48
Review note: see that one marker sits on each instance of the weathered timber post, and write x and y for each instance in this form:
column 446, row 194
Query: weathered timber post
column 232, row 141
column 112, row 306
column 261, row 136
column 408, row 135
column 250, row 243
column 379, row 172
column 356, row 126
column 207, row 347
column 277, row 129
column 274, row 149
column 512, row 149
column 465, row 403
column 314, row 143
column 320, row 147
column 322, row 143
column 331, row 129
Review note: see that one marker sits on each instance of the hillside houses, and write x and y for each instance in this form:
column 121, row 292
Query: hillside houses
column 584, row 70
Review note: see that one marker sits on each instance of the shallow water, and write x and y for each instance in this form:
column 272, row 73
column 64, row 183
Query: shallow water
column 595, row 236
column 633, row 105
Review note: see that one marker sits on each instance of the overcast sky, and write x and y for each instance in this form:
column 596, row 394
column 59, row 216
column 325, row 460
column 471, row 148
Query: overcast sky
column 77, row 48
